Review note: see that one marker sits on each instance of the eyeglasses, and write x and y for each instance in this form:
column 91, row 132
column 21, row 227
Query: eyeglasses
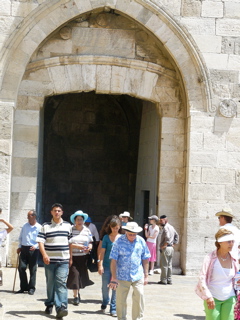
column 131, row 234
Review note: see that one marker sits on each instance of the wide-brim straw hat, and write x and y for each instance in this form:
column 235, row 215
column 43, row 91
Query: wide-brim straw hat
column 132, row 227
column 225, row 212
column 125, row 214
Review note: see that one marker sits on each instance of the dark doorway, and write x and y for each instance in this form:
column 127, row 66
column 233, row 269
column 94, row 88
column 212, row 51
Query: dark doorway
column 146, row 200
column 90, row 153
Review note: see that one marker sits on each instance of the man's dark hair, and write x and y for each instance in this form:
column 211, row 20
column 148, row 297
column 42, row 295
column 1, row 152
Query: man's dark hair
column 228, row 219
column 163, row 216
column 57, row 205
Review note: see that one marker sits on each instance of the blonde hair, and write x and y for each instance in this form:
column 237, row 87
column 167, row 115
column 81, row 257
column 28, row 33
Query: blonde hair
column 221, row 232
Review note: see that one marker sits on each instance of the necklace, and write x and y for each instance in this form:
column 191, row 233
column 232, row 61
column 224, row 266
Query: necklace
column 224, row 259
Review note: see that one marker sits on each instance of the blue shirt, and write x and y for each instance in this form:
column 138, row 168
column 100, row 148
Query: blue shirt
column 107, row 245
column 28, row 235
column 129, row 256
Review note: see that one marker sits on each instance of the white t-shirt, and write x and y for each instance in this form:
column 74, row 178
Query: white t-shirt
column 153, row 230
column 94, row 231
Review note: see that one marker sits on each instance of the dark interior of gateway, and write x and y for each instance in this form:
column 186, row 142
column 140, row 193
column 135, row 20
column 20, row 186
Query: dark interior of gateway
column 90, row 154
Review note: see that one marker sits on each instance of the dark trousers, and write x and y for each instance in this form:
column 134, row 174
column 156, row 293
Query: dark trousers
column 28, row 259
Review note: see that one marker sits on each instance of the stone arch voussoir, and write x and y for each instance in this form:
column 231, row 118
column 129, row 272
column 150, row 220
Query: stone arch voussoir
column 59, row 76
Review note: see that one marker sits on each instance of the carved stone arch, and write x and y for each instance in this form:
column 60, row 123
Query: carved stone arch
column 49, row 17
column 99, row 74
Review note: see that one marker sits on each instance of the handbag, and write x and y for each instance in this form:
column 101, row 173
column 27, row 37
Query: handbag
column 92, row 263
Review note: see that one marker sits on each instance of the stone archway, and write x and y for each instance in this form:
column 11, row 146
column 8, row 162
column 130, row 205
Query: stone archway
column 103, row 74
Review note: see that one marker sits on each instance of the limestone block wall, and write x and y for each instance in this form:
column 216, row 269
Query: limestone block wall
column 198, row 42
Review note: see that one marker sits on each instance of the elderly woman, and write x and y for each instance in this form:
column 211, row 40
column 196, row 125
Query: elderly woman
column 215, row 284
column 81, row 245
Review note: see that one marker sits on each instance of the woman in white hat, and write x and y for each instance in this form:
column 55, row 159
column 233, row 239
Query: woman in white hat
column 125, row 217
column 215, row 284
column 81, row 245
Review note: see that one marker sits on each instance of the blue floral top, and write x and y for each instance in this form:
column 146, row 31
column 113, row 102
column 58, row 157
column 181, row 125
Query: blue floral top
column 129, row 256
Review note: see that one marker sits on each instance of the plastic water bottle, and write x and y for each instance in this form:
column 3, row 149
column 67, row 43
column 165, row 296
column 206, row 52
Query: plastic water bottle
column 85, row 245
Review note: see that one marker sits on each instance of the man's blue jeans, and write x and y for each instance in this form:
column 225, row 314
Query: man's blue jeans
column 106, row 278
column 56, row 278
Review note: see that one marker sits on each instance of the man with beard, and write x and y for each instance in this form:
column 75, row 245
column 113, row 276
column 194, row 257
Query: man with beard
column 169, row 238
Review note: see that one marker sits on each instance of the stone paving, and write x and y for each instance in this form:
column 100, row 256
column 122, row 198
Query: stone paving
column 171, row 302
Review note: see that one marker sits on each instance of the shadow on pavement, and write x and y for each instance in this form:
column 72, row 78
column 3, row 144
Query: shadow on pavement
column 22, row 314
column 189, row 317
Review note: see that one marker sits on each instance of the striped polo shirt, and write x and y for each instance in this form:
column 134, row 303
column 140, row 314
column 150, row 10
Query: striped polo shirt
column 55, row 237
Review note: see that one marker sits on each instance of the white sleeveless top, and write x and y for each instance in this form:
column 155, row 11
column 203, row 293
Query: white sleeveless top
column 152, row 231
column 221, row 283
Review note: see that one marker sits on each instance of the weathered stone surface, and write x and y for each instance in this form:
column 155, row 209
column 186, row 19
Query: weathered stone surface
column 171, row 191
column 117, row 42
column 103, row 79
column 191, row 8
column 233, row 193
column 26, row 167
column 29, row 103
column 216, row 61
column 4, row 182
column 26, row 133
column 22, row 9
column 25, row 149
column 234, row 62
column 224, row 76
column 5, row 8
column 171, row 125
column 5, row 147
column 24, row 184
column 232, row 9
column 228, row 159
column 206, row 192
column 28, row 118
column 199, row 26
column 196, row 141
column 167, row 175
column 195, row 174
column 212, row 9
column 203, row 159
column 24, row 200
column 228, row 27
column 218, row 176
column 214, row 141
column 209, row 43
column 172, row 159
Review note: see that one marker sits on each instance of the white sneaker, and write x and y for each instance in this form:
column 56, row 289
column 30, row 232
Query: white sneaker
column 151, row 272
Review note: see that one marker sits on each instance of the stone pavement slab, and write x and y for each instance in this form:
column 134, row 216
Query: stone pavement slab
column 171, row 302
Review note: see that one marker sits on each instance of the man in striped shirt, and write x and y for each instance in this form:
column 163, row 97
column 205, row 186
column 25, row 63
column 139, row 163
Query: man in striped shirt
column 54, row 245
